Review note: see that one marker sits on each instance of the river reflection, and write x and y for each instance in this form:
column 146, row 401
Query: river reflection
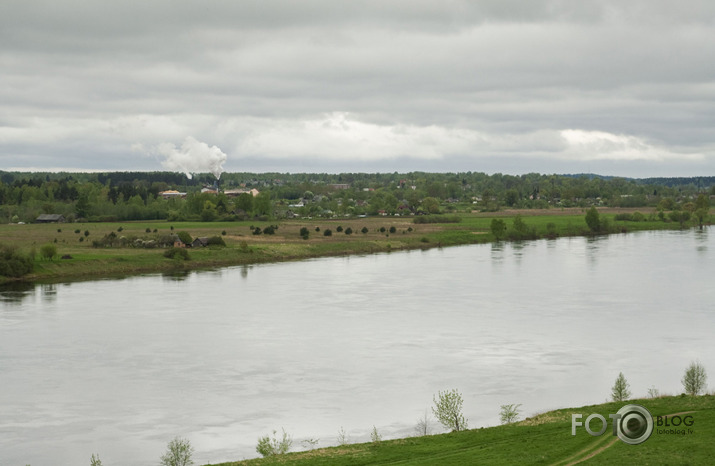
column 120, row 367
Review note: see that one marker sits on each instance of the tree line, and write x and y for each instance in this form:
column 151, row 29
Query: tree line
column 123, row 196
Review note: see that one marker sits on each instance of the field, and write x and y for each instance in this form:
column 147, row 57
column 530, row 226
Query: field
column 543, row 439
column 77, row 258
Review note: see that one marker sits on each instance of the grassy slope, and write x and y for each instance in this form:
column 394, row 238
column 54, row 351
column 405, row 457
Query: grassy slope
column 544, row 439
column 89, row 262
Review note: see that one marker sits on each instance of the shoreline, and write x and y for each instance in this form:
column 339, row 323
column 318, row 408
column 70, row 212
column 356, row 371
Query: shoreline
column 369, row 236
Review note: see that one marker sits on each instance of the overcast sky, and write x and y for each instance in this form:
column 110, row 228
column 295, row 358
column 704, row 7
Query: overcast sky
column 622, row 87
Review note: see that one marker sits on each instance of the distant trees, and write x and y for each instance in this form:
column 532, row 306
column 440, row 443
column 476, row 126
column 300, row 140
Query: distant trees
column 448, row 410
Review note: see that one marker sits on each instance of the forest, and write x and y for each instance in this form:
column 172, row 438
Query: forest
column 125, row 196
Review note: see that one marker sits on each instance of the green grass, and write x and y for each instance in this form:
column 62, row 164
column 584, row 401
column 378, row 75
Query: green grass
column 543, row 439
column 243, row 247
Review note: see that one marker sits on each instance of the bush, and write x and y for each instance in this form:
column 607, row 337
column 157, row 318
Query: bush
column 270, row 229
column 393, row 229
column 364, row 230
column 304, row 233
column 13, row 263
column 437, row 219
column 48, row 251
column 215, row 241
column 509, row 413
column 339, row 229
column 268, row 446
column 328, row 232
column 177, row 253
column 348, row 231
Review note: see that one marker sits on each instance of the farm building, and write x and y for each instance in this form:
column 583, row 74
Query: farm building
column 50, row 218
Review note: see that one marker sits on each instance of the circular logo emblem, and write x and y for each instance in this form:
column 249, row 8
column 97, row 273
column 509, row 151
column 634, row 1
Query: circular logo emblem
column 634, row 425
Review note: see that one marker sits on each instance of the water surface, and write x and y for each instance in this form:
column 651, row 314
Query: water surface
column 120, row 367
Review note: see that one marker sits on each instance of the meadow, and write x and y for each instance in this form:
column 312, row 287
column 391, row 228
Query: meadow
column 79, row 257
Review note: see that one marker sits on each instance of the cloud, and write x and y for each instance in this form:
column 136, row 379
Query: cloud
column 554, row 82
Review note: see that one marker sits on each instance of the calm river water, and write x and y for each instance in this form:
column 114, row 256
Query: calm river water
column 120, row 367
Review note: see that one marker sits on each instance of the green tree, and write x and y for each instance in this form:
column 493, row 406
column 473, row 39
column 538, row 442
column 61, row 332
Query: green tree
column 448, row 410
column 178, row 453
column 593, row 220
column 430, row 205
column 244, row 202
column 695, row 378
column 262, row 204
column 702, row 209
column 498, row 228
column 620, row 390
column 95, row 461
column 509, row 413
column 185, row 237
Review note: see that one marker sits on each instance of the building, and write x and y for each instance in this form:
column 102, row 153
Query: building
column 50, row 218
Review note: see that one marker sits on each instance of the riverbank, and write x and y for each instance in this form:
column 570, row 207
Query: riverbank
column 684, row 436
column 78, row 259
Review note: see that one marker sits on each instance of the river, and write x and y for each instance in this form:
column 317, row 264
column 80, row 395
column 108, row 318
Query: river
column 120, row 367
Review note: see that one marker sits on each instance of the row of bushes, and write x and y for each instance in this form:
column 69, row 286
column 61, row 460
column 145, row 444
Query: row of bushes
column 437, row 219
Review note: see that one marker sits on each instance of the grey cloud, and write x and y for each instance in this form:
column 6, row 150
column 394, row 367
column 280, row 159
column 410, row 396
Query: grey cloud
column 94, row 78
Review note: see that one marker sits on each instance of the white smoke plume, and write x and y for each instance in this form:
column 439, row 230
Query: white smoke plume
column 192, row 157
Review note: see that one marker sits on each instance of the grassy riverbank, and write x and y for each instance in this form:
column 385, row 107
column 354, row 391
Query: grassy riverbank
column 73, row 241
column 542, row 439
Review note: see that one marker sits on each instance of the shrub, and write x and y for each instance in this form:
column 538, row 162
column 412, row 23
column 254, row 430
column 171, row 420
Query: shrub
column 317, row 229
column 257, row 231
column 177, row 253
column 348, row 231
column 77, row 231
column 270, row 229
column 364, row 230
column 13, row 263
column 86, row 232
column 304, row 233
column 393, row 229
column 509, row 413
column 268, row 446
column 215, row 241
column 48, row 251
column 339, row 229
column 148, row 230
column 437, row 219
column 382, row 230
column 328, row 232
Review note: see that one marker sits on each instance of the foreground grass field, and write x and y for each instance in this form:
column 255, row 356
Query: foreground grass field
column 543, row 439
column 77, row 258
